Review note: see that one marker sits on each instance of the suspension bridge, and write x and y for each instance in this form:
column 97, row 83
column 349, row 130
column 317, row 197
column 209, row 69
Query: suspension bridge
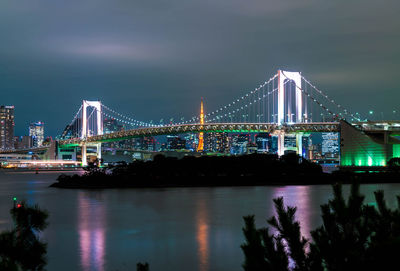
column 286, row 104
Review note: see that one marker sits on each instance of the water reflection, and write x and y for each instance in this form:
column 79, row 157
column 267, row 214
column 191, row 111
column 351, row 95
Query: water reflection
column 202, row 234
column 92, row 232
column 300, row 197
column 178, row 229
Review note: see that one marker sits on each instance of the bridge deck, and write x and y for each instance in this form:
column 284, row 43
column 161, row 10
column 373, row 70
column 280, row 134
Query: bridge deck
column 370, row 126
column 208, row 127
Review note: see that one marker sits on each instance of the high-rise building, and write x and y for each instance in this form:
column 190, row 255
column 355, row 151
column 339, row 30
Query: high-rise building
column 306, row 143
column 192, row 141
column 315, row 150
column 252, row 147
column 239, row 143
column 216, row 142
column 111, row 125
column 149, row 143
column 22, row 142
column 73, row 130
column 222, row 143
column 6, row 127
column 330, row 144
column 175, row 143
column 16, row 142
column 274, row 144
column 36, row 131
column 26, row 142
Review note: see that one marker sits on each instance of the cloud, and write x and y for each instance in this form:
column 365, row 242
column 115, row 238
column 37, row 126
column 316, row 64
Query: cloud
column 113, row 51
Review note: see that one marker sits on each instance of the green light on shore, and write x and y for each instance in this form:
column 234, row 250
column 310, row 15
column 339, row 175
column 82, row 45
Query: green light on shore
column 14, row 198
column 363, row 160
column 396, row 150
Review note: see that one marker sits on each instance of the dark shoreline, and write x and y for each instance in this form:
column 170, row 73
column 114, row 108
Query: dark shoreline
column 247, row 170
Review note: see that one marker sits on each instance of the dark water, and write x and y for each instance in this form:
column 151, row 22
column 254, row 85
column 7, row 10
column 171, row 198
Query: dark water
column 172, row 229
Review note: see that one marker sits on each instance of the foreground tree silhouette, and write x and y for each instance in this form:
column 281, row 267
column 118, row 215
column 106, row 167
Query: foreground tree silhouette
column 353, row 236
column 142, row 267
column 21, row 248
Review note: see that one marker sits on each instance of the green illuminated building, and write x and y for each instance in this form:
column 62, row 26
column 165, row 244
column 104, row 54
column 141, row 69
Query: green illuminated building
column 360, row 148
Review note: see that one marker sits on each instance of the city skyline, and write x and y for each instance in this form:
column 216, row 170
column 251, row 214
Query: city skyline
column 165, row 56
column 199, row 135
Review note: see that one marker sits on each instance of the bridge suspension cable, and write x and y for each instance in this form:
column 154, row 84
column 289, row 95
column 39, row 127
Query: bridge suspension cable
column 71, row 124
column 128, row 120
column 340, row 107
column 243, row 107
column 231, row 104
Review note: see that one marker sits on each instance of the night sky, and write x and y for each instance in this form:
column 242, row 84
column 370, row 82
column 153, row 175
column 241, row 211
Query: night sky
column 154, row 59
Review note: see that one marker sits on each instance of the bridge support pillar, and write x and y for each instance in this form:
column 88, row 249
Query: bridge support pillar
column 281, row 143
column 84, row 156
column 299, row 144
column 98, row 154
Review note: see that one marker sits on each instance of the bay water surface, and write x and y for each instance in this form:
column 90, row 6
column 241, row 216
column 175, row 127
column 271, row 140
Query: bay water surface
column 170, row 228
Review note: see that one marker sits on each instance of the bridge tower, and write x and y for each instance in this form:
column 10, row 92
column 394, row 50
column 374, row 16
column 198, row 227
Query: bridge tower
column 86, row 133
column 296, row 78
column 298, row 112
column 200, row 146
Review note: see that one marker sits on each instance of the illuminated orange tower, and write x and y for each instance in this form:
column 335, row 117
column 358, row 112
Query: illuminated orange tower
column 200, row 146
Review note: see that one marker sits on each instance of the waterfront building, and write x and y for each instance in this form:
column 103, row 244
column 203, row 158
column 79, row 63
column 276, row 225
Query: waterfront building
column 68, row 154
column 6, row 127
column 263, row 141
column 36, row 131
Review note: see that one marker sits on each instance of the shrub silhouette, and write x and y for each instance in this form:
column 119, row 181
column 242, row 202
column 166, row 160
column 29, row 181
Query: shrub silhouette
column 21, row 248
column 353, row 236
column 252, row 169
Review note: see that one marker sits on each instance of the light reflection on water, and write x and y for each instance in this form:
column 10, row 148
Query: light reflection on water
column 92, row 229
column 299, row 197
column 202, row 234
column 197, row 229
